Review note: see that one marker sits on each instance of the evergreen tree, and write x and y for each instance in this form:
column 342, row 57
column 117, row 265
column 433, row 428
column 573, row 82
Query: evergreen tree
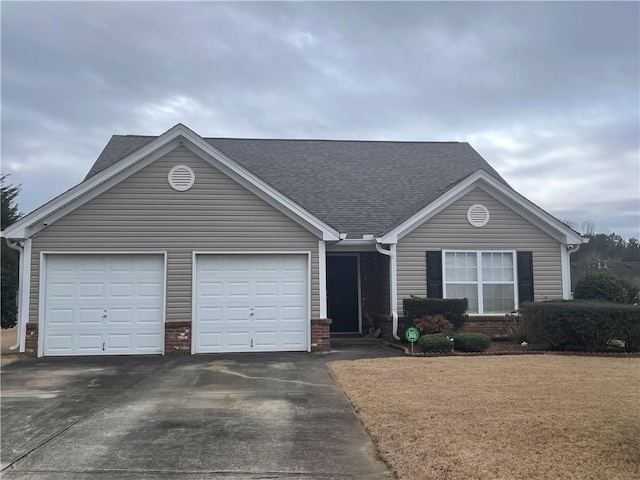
column 9, row 273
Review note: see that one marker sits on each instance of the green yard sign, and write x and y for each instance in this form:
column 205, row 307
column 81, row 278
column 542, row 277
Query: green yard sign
column 412, row 334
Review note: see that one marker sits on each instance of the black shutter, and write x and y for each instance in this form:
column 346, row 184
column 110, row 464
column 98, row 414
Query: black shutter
column 434, row 274
column 525, row 277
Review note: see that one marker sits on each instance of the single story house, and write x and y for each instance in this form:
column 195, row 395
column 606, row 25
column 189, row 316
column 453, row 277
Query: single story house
column 179, row 243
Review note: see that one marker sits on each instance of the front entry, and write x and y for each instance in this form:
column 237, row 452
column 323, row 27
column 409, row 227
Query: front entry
column 343, row 293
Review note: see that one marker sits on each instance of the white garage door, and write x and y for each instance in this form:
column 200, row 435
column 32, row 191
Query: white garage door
column 104, row 304
column 251, row 303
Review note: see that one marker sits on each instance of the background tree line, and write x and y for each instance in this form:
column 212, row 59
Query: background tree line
column 604, row 246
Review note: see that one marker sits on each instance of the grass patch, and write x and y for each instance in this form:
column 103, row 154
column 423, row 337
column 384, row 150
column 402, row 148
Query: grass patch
column 507, row 417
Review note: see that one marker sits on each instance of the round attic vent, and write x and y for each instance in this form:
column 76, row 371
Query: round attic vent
column 478, row 215
column 181, row 178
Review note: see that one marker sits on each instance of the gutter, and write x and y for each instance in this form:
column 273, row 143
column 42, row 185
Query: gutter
column 393, row 280
column 16, row 246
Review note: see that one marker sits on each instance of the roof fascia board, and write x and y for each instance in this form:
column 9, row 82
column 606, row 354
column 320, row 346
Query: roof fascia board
column 256, row 185
column 531, row 211
column 87, row 190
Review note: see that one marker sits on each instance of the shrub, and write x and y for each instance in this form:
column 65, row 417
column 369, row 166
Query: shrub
column 605, row 286
column 581, row 325
column 471, row 342
column 435, row 343
column 633, row 292
column 433, row 324
column 515, row 327
column 453, row 309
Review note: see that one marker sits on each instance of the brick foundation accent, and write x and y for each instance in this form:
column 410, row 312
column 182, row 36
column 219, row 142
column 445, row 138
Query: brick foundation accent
column 495, row 326
column 177, row 338
column 321, row 334
column 31, row 344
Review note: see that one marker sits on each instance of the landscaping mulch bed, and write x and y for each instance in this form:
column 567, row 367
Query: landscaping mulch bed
column 507, row 347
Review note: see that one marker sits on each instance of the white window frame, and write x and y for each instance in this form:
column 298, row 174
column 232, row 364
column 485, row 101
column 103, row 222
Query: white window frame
column 479, row 281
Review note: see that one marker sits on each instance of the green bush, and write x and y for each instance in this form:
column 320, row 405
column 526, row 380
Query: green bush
column 433, row 324
column 435, row 343
column 453, row 309
column 606, row 286
column 471, row 342
column 581, row 325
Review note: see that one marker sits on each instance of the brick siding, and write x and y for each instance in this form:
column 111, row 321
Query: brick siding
column 177, row 338
column 320, row 334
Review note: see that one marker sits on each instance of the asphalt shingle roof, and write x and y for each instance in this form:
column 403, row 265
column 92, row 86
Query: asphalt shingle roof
column 357, row 187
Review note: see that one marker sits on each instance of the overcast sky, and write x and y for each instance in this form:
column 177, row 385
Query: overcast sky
column 548, row 93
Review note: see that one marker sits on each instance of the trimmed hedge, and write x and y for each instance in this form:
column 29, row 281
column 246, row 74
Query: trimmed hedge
column 581, row 325
column 435, row 343
column 471, row 342
column 453, row 309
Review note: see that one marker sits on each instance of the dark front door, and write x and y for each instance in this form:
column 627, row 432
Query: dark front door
column 342, row 293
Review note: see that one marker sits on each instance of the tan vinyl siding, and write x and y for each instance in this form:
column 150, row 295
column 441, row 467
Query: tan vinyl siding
column 506, row 229
column 143, row 213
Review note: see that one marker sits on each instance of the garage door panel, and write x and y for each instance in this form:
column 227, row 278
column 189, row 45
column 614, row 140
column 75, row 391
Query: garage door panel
column 120, row 290
column 266, row 339
column 292, row 314
column 210, row 315
column 246, row 302
column 119, row 315
column 150, row 290
column 122, row 265
column 239, row 264
column 103, row 304
column 148, row 341
column 149, row 315
column 88, row 316
column 266, row 264
column 238, row 314
column 209, row 342
column 60, row 343
column 266, row 314
column 239, row 289
column 293, row 338
column 293, row 289
column 88, row 342
column 210, row 289
column 267, row 289
column 63, row 290
column 91, row 264
column 61, row 316
column 119, row 341
column 238, row 339
column 92, row 290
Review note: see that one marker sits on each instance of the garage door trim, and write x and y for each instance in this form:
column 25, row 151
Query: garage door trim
column 194, row 283
column 42, row 282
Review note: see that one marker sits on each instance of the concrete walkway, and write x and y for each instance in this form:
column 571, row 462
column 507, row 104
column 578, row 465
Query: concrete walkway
column 257, row 416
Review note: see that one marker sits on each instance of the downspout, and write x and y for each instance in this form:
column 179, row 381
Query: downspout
column 16, row 246
column 569, row 249
column 393, row 280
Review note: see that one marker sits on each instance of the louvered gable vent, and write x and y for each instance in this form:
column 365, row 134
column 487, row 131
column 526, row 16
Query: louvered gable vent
column 181, row 178
column 478, row 215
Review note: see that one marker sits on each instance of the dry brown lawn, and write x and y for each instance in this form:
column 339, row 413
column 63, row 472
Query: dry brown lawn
column 501, row 417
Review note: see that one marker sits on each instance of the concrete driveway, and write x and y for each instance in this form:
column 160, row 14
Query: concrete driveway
column 258, row 416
